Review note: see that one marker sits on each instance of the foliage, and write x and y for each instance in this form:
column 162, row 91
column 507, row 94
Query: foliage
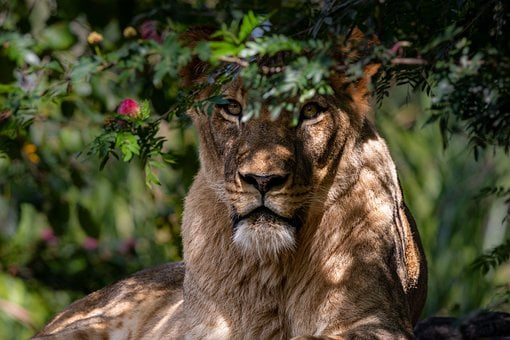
column 68, row 228
column 493, row 258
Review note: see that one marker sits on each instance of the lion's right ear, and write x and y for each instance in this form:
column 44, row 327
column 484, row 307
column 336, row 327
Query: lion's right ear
column 196, row 69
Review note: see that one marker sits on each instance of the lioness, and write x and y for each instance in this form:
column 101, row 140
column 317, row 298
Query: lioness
column 288, row 231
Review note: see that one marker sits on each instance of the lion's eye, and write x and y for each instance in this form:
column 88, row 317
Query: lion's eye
column 311, row 110
column 233, row 108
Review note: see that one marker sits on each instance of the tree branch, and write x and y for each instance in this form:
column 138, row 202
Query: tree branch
column 409, row 61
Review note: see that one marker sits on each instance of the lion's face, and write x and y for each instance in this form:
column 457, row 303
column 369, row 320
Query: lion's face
column 270, row 173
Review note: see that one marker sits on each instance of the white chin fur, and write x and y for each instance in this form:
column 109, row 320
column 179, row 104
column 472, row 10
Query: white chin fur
column 267, row 240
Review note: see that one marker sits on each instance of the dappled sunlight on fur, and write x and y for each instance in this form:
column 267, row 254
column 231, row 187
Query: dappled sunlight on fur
column 288, row 231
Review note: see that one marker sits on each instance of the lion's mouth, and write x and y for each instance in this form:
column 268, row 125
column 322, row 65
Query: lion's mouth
column 265, row 233
column 263, row 215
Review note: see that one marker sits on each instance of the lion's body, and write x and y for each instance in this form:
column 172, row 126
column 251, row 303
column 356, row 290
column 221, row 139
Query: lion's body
column 354, row 264
column 287, row 231
column 145, row 305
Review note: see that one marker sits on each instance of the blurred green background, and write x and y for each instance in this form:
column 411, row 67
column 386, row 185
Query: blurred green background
column 67, row 228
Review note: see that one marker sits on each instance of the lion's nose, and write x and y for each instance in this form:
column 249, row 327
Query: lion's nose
column 264, row 183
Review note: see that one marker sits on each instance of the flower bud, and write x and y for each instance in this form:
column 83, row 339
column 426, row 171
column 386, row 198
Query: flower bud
column 94, row 38
column 30, row 152
column 129, row 32
column 148, row 31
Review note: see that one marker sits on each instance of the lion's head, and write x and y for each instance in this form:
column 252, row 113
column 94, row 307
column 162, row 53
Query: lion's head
column 272, row 174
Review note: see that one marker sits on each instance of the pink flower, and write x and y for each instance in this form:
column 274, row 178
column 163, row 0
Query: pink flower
column 129, row 107
column 48, row 236
column 90, row 243
column 148, row 31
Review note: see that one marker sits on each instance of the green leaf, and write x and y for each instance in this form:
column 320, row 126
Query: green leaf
column 8, row 88
column 306, row 95
column 249, row 23
column 128, row 145
column 221, row 49
column 87, row 222
column 218, row 100
column 275, row 111
column 168, row 158
column 57, row 37
column 492, row 258
column 18, row 47
column 82, row 71
column 150, row 177
column 203, row 50
column 145, row 110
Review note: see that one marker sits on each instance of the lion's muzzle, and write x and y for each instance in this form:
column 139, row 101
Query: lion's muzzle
column 259, row 226
column 264, row 183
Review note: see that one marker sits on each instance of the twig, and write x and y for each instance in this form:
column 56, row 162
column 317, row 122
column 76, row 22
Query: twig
column 235, row 60
column 409, row 61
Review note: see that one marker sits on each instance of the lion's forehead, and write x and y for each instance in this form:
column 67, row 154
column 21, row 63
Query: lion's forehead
column 236, row 89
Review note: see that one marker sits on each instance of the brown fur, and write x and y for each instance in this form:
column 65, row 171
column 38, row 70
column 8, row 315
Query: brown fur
column 144, row 305
column 338, row 257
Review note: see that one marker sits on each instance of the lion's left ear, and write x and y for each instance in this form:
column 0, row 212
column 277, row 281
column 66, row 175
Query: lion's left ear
column 356, row 46
column 356, row 93
column 359, row 46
